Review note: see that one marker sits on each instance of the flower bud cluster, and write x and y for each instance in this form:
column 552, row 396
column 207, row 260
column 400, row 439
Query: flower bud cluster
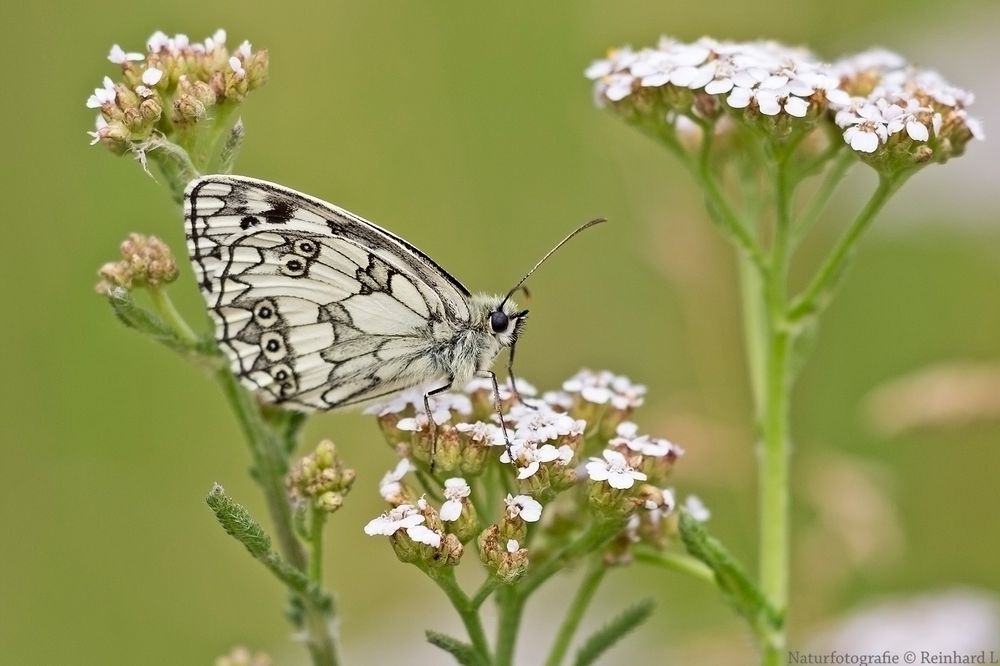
column 146, row 262
column 172, row 86
column 320, row 479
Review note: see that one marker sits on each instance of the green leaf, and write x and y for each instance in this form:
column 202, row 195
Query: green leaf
column 242, row 526
column 144, row 321
column 736, row 586
column 605, row 637
column 238, row 522
column 463, row 653
column 231, row 148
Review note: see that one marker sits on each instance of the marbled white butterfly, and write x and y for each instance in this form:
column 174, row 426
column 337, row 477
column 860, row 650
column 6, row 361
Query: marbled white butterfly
column 317, row 308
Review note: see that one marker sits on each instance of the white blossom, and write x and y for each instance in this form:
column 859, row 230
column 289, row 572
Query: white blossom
column 614, row 469
column 237, row 66
column 455, row 491
column 402, row 517
column 541, row 423
column 513, row 546
column 100, row 124
column 157, row 42
column 390, row 486
column 103, row 95
column 482, row 432
column 402, row 402
column 118, row 56
column 603, row 387
column 486, row 384
column 524, row 506
column 696, row 508
column 529, row 455
column 419, row 423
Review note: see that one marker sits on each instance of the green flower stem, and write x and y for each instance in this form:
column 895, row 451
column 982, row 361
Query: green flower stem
column 165, row 308
column 814, row 297
column 316, row 545
column 675, row 561
column 511, row 598
column 584, row 595
column 823, row 194
column 485, row 591
column 466, row 608
column 269, row 466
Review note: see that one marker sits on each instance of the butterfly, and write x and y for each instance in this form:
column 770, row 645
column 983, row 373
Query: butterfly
column 317, row 308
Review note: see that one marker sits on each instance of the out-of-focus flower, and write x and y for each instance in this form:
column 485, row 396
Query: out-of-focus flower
column 320, row 478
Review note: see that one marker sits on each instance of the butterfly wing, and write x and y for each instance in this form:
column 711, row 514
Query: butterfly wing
column 315, row 307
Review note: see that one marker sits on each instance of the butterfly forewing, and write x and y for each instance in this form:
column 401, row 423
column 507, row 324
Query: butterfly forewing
column 315, row 307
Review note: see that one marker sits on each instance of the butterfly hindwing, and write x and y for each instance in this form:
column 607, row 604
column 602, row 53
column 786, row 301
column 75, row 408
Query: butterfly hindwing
column 315, row 307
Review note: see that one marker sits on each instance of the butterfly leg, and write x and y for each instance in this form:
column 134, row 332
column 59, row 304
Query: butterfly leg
column 430, row 416
column 496, row 401
column 513, row 382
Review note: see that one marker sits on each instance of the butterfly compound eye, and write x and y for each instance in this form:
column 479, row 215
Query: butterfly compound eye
column 499, row 321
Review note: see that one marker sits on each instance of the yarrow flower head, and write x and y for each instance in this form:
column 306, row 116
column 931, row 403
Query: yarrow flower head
column 899, row 115
column 891, row 114
column 171, row 87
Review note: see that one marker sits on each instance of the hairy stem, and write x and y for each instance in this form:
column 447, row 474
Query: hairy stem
column 267, row 450
column 511, row 605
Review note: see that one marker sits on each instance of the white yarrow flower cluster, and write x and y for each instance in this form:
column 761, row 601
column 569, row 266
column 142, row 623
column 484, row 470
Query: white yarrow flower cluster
column 767, row 76
column 896, row 99
column 875, row 98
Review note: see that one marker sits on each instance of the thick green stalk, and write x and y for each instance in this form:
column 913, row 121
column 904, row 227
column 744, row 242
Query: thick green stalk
column 584, row 595
column 773, row 466
column 511, row 605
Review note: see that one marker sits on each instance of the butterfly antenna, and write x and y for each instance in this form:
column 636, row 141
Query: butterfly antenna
column 549, row 254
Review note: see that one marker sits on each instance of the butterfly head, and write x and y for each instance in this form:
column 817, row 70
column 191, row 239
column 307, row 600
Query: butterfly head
column 503, row 320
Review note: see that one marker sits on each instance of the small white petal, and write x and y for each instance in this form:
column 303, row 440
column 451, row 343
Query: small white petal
column 219, row 37
column 796, row 106
column 917, row 131
column 767, row 102
column 152, row 76
column 513, row 546
column 425, row 535
column 739, row 98
column 838, row 97
column 719, row 86
column 236, row 66
column 451, row 510
column 598, row 69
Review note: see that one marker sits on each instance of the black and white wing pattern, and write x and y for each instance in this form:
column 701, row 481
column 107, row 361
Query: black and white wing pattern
column 315, row 307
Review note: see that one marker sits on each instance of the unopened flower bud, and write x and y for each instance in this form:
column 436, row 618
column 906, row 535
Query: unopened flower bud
column 146, row 261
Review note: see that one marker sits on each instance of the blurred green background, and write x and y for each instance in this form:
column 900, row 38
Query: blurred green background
column 468, row 128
